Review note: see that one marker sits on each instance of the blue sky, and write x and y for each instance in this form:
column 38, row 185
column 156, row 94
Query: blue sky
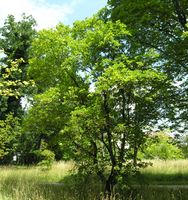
column 86, row 8
column 49, row 12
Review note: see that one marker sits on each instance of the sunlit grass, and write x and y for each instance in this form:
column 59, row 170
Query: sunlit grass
column 37, row 174
column 30, row 183
column 169, row 172
column 167, row 167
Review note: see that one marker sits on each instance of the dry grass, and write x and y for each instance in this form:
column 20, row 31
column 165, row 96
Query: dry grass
column 56, row 173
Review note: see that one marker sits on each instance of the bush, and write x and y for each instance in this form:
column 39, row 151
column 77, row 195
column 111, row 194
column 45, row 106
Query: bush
column 161, row 146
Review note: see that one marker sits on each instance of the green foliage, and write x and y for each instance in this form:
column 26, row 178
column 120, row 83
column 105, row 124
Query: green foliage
column 182, row 143
column 16, row 37
column 50, row 113
column 161, row 146
column 46, row 157
column 159, row 26
column 9, row 133
column 15, row 41
column 96, row 99
column 9, row 86
column 10, row 125
column 102, row 86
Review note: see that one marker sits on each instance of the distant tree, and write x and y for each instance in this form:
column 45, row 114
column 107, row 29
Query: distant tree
column 182, row 142
column 161, row 146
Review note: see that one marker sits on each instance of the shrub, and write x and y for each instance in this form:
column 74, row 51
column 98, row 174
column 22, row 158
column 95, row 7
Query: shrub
column 161, row 146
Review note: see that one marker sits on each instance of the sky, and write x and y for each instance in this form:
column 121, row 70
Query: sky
column 48, row 13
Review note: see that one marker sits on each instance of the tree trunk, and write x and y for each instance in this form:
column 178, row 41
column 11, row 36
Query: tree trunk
column 109, row 187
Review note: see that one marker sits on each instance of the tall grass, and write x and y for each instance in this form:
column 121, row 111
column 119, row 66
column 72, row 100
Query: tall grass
column 60, row 183
column 32, row 183
column 167, row 167
column 170, row 172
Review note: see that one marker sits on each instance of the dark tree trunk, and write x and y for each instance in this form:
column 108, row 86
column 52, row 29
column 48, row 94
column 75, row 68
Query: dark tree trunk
column 109, row 186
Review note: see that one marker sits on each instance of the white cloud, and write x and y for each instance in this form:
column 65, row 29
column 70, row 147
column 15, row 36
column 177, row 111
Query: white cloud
column 46, row 14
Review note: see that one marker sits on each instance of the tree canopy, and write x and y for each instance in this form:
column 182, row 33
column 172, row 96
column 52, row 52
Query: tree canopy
column 160, row 26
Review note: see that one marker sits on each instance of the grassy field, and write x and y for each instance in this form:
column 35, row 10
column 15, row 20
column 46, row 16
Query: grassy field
column 167, row 167
column 163, row 180
column 170, row 172
column 32, row 183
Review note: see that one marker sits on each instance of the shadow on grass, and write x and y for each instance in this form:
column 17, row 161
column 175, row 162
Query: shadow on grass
column 82, row 187
column 161, row 179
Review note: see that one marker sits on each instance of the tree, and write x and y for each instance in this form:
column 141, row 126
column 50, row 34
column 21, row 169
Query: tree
column 54, row 67
column 161, row 146
column 159, row 25
column 15, row 41
column 106, row 100
column 42, row 125
column 10, row 130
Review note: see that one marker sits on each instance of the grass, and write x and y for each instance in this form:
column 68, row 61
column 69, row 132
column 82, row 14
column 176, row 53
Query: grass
column 167, row 167
column 32, row 183
column 57, row 171
column 59, row 183
column 170, row 172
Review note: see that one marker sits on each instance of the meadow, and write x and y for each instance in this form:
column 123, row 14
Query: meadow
column 62, row 183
